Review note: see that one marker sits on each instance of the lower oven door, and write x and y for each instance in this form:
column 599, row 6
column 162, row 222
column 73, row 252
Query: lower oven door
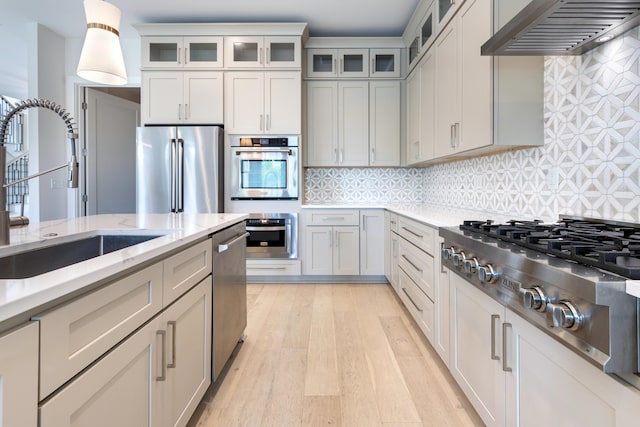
column 264, row 173
column 267, row 241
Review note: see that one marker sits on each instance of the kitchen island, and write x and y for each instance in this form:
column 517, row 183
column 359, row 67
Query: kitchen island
column 130, row 329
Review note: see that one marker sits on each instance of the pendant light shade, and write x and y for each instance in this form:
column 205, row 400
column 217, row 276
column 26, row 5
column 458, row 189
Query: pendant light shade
column 101, row 59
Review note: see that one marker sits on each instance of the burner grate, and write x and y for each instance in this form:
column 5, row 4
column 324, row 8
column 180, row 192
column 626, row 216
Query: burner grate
column 614, row 247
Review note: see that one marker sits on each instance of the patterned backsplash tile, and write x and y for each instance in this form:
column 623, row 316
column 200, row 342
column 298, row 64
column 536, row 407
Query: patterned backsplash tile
column 588, row 166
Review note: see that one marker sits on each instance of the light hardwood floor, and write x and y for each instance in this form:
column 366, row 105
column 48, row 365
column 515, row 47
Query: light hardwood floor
column 333, row 354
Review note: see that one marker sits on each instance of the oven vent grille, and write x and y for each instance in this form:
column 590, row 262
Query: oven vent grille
column 563, row 27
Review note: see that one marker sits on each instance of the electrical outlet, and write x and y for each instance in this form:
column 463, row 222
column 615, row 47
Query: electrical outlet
column 553, row 178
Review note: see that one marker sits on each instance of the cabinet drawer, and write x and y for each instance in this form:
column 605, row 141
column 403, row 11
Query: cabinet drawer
column 418, row 265
column 186, row 269
column 420, row 307
column 332, row 217
column 419, row 234
column 74, row 335
column 273, row 268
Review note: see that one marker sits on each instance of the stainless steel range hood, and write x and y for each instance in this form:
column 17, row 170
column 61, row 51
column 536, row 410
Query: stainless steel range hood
column 563, row 27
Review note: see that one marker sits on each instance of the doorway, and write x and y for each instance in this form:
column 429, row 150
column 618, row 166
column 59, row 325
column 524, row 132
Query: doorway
column 108, row 164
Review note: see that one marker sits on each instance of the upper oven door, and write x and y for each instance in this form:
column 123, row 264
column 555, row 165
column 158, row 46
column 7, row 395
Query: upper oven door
column 264, row 173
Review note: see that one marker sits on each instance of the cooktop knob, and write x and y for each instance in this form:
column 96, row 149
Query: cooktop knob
column 564, row 315
column 487, row 274
column 458, row 258
column 470, row 265
column 447, row 253
column 534, row 298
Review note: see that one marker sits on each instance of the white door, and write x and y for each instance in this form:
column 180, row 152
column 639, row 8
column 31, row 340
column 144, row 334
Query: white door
column 413, row 117
column 110, row 163
column 353, row 123
column 384, row 123
column 322, row 123
column 203, row 102
column 476, row 358
column 346, row 250
column 447, row 91
column 244, row 102
column 161, row 97
column 372, row 243
column 282, row 111
column 318, row 257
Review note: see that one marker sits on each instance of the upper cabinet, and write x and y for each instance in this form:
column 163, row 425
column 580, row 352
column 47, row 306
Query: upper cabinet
column 182, row 52
column 263, row 52
column 422, row 36
column 353, row 63
column 446, row 9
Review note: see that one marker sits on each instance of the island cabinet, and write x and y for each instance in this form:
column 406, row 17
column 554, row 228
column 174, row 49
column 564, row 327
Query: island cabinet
column 134, row 352
column 261, row 102
column 508, row 369
column 176, row 97
column 19, row 376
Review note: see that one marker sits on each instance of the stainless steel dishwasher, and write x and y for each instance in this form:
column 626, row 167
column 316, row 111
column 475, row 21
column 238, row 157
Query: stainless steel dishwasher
column 229, row 293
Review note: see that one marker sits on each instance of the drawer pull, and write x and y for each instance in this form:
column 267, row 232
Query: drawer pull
column 163, row 353
column 225, row 246
column 411, row 299
column 494, row 356
column 505, row 367
column 419, row 270
column 267, row 268
column 419, row 236
column 333, row 218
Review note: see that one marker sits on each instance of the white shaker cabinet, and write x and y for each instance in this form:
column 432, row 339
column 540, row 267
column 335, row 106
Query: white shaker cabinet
column 447, row 95
column 372, row 239
column 384, row 123
column 177, row 97
column 156, row 377
column 263, row 102
column 353, row 123
column 337, row 63
column 421, row 113
column 19, row 376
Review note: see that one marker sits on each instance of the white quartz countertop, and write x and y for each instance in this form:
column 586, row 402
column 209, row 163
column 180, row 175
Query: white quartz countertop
column 18, row 296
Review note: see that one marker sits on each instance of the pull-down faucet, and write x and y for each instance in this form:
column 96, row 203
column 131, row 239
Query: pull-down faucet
column 72, row 177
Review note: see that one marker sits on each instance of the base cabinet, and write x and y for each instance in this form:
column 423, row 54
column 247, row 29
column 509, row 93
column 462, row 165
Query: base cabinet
column 372, row 242
column 156, row 377
column 331, row 250
column 19, row 376
column 509, row 369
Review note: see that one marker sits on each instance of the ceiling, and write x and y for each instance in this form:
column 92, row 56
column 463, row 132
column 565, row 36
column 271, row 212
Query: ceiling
column 325, row 17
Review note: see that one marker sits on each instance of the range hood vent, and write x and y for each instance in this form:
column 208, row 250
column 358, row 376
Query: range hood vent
column 563, row 27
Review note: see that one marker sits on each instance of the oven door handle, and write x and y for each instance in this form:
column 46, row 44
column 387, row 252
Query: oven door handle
column 274, row 228
column 249, row 150
column 225, row 246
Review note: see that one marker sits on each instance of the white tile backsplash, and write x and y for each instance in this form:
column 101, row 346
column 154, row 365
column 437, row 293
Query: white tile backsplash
column 589, row 164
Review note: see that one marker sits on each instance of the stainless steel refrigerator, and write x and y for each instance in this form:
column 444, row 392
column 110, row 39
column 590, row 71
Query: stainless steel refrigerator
column 179, row 169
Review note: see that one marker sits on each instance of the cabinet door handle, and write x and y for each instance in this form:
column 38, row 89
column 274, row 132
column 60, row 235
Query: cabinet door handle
column 260, row 56
column 268, row 122
column 261, row 121
column 335, row 155
column 186, row 111
column 333, row 218
column 451, row 136
column 179, row 55
column 163, row 352
column 364, row 222
column 419, row 270
column 331, row 239
column 172, row 323
column 341, row 156
column 456, row 134
column 373, row 155
column 186, row 55
column 494, row 317
column 179, row 111
column 373, row 65
column 267, row 60
column 334, row 66
column 411, row 299
column 442, row 269
column 505, row 368
column 337, row 240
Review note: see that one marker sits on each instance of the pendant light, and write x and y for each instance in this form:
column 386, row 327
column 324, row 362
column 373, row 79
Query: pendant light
column 101, row 58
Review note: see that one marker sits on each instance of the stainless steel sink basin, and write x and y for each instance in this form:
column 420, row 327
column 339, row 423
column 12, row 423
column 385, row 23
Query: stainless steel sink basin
column 38, row 261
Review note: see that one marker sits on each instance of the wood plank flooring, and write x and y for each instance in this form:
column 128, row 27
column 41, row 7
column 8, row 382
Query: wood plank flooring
column 333, row 354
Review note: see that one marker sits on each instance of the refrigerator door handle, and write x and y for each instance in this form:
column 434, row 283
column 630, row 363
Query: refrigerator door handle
column 180, row 177
column 173, row 173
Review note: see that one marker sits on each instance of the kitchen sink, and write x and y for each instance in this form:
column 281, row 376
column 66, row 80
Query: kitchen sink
column 42, row 260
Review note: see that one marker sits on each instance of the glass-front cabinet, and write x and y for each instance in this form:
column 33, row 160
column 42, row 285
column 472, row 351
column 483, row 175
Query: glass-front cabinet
column 446, row 9
column 414, row 51
column 353, row 63
column 263, row 52
column 385, row 63
column 182, row 52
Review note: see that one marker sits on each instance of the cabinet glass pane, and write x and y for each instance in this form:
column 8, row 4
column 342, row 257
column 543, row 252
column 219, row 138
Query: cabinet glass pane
column 163, row 52
column 443, row 8
column 353, row 63
column 413, row 50
column 385, row 63
column 245, row 52
column 203, row 52
column 282, row 52
column 323, row 63
column 427, row 29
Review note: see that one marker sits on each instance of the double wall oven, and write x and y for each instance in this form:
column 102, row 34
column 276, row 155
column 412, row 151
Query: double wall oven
column 264, row 168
